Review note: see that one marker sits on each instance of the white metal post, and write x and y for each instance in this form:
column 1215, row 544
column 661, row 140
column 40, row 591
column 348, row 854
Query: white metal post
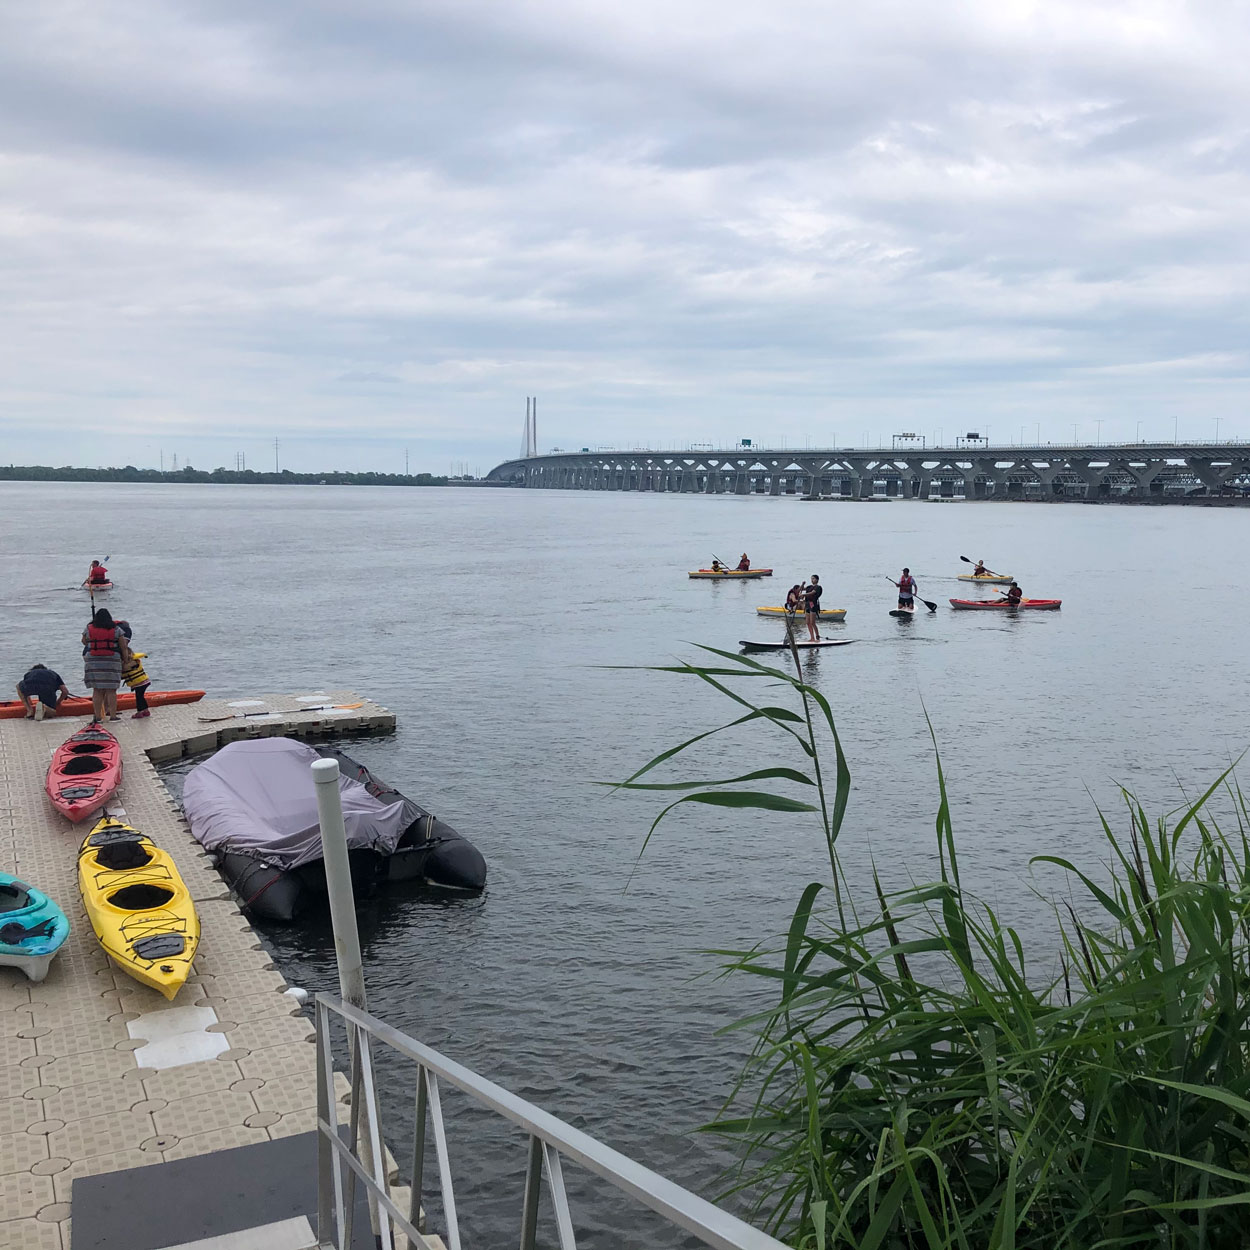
column 346, row 952
column 339, row 883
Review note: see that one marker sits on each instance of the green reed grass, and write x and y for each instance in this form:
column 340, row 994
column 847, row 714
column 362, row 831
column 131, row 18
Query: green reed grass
column 924, row 1080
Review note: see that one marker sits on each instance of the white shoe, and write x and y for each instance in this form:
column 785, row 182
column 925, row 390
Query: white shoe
column 40, row 708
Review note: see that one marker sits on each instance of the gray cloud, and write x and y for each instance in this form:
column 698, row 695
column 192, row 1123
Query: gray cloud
column 359, row 227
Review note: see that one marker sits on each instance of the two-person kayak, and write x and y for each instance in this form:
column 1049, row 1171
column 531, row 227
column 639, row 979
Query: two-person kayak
column 825, row 614
column 731, row 573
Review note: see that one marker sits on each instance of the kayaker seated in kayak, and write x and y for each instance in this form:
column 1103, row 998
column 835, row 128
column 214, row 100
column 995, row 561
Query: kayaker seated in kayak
column 794, row 598
column 744, row 565
column 96, row 574
column 981, row 570
column 717, row 566
column 907, row 590
column 40, row 688
column 1014, row 595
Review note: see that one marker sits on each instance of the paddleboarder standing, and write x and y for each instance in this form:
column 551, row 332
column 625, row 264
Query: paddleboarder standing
column 907, row 591
column 811, row 605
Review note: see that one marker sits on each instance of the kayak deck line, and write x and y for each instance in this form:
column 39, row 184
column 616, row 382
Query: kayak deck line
column 124, row 1076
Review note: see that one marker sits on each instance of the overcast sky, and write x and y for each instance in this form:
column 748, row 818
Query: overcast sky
column 369, row 226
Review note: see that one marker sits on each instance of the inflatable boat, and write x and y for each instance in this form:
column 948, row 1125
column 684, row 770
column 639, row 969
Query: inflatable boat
column 253, row 808
column 32, row 927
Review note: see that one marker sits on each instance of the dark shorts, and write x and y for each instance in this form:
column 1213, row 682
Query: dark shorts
column 906, row 601
column 49, row 698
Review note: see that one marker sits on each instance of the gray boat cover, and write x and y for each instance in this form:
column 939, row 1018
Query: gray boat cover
column 257, row 798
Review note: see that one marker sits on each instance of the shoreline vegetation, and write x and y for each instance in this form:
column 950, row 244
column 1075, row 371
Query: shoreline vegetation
column 244, row 477
column 924, row 1080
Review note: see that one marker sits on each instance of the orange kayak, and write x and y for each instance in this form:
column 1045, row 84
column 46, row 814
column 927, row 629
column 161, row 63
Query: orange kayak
column 13, row 709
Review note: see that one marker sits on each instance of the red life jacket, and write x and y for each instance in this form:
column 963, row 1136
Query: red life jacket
column 906, row 584
column 744, row 565
column 102, row 642
column 98, row 574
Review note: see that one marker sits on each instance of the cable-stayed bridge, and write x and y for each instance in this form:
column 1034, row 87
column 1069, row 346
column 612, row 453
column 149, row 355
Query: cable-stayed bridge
column 973, row 470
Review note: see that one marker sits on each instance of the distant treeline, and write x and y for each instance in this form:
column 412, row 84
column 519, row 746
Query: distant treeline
column 45, row 473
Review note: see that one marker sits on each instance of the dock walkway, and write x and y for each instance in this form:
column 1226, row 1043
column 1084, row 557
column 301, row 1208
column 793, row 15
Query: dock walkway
column 99, row 1073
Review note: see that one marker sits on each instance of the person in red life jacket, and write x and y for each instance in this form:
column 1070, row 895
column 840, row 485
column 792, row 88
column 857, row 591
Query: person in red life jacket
column 907, row 591
column 744, row 565
column 794, row 599
column 97, row 574
column 811, row 606
column 1014, row 595
column 106, row 652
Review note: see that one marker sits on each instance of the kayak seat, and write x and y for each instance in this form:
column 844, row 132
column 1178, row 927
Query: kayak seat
column 13, row 896
column 142, row 896
column 120, row 855
column 88, row 748
column 82, row 765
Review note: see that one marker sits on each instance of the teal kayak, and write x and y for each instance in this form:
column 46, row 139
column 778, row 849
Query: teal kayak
column 32, row 927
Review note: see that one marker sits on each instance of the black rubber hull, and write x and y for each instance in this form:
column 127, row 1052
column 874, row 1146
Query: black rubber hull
column 431, row 852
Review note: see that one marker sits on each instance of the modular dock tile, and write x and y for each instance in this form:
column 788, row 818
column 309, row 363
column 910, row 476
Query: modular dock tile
column 74, row 1101
column 32, row 1234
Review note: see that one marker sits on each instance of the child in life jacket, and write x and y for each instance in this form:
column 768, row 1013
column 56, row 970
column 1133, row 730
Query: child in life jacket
column 135, row 676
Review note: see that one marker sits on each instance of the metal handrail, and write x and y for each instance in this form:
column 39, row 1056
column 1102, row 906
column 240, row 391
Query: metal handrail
column 550, row 1142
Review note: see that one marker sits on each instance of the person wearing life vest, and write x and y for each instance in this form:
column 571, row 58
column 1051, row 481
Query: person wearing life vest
column 980, row 570
column 744, row 565
column 135, row 676
column 105, row 653
column 717, row 566
column 97, row 574
column 794, row 598
column 907, row 591
column 1014, row 595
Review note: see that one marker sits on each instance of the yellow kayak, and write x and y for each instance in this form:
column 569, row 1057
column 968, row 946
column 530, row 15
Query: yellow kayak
column 140, row 909
column 996, row 579
column 826, row 614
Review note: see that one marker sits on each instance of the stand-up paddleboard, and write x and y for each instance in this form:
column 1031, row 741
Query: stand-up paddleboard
column 907, row 613
column 802, row 646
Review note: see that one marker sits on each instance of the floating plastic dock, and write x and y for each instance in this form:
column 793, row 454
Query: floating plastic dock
column 100, row 1074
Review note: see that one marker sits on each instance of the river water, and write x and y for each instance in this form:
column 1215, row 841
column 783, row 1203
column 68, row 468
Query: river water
column 488, row 621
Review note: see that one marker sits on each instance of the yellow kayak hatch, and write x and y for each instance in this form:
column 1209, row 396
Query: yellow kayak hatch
column 140, row 909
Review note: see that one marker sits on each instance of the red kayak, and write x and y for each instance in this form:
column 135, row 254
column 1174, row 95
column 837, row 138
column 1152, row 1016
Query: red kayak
column 85, row 772
column 1001, row 605
column 13, row 709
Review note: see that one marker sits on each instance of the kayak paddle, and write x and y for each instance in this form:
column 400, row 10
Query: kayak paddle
column 928, row 603
column 324, row 707
column 989, row 571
